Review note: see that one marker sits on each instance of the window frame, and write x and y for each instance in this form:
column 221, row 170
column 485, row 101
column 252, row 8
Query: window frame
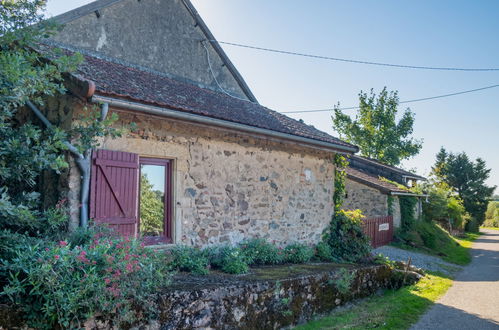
column 167, row 237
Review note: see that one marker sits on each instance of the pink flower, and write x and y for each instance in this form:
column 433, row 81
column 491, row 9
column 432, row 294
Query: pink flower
column 107, row 281
column 57, row 257
column 63, row 243
column 47, row 249
column 129, row 268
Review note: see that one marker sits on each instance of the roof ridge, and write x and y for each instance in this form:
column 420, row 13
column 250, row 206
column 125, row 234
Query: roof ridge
column 386, row 165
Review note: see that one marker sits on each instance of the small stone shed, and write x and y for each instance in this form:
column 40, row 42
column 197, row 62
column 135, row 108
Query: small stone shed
column 367, row 191
column 206, row 164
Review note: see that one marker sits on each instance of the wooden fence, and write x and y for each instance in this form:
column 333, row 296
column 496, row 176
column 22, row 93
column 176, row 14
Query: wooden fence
column 380, row 230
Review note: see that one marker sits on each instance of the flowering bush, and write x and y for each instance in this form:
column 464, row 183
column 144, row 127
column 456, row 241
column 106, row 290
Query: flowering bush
column 260, row 252
column 64, row 285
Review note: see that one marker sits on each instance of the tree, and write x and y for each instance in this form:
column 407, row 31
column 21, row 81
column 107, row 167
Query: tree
column 467, row 179
column 375, row 128
column 151, row 208
column 27, row 78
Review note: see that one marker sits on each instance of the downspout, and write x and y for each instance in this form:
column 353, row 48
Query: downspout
column 82, row 160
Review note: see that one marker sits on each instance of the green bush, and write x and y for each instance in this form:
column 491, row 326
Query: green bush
column 189, row 259
column 259, row 252
column 346, row 237
column 298, row 253
column 323, row 252
column 228, row 259
column 61, row 285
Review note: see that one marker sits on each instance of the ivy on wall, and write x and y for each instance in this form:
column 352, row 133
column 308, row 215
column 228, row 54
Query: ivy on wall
column 407, row 211
column 390, row 201
column 340, row 162
column 344, row 236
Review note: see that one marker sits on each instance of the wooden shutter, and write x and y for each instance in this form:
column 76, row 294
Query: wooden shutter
column 114, row 190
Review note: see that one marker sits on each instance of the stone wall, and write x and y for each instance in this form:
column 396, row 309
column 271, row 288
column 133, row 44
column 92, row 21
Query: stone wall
column 255, row 303
column 228, row 186
column 372, row 202
column 267, row 298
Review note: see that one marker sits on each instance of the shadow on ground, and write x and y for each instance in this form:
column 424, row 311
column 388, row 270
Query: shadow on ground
column 446, row 317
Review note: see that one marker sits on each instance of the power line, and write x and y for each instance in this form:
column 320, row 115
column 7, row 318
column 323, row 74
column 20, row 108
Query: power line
column 355, row 61
column 402, row 102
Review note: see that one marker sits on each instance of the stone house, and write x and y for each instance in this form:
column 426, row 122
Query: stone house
column 366, row 190
column 206, row 163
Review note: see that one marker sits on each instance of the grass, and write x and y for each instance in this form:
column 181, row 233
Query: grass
column 392, row 310
column 400, row 309
column 430, row 238
column 493, row 228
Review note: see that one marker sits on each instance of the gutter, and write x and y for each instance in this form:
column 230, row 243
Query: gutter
column 396, row 193
column 414, row 177
column 185, row 116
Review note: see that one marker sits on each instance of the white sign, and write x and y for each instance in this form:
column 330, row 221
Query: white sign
column 384, row 226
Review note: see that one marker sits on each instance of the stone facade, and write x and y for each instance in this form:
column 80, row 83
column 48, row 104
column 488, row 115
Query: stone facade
column 372, row 202
column 229, row 186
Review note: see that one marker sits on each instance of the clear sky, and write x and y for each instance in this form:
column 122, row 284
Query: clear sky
column 450, row 33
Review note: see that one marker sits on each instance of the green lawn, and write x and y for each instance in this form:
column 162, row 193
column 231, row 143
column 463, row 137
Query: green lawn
column 392, row 310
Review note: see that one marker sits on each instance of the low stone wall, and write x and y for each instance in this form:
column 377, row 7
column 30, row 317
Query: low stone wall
column 266, row 299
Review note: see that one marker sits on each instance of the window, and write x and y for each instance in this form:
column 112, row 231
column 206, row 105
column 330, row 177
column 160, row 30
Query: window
column 155, row 200
column 132, row 194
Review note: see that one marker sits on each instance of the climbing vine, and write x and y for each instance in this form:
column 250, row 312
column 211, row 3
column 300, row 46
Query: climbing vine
column 340, row 162
column 407, row 208
column 389, row 202
column 345, row 236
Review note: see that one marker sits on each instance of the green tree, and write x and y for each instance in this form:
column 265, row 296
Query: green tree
column 376, row 130
column 467, row 178
column 151, row 208
column 27, row 78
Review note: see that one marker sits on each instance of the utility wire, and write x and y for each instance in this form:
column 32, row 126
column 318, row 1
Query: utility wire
column 402, row 102
column 215, row 77
column 355, row 61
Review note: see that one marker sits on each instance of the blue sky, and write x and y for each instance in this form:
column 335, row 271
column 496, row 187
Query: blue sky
column 433, row 33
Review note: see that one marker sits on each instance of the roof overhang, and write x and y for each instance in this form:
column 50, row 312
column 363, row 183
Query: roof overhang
column 214, row 122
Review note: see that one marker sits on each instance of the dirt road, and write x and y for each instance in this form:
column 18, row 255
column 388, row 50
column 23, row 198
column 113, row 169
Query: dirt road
column 473, row 300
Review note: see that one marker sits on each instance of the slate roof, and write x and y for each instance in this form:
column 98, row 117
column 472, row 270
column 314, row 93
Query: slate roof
column 374, row 162
column 119, row 80
column 373, row 181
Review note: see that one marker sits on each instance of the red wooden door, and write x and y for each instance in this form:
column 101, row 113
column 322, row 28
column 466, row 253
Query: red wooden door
column 113, row 190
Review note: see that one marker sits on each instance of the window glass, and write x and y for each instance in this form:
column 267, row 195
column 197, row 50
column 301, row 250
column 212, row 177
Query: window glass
column 152, row 200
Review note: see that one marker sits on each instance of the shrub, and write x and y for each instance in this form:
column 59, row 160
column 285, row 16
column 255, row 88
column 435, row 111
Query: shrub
column 346, row 237
column 259, row 252
column 298, row 253
column 323, row 252
column 189, row 259
column 228, row 259
column 343, row 280
column 60, row 285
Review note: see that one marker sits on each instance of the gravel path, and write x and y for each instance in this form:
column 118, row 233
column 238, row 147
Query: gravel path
column 473, row 300
column 419, row 260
